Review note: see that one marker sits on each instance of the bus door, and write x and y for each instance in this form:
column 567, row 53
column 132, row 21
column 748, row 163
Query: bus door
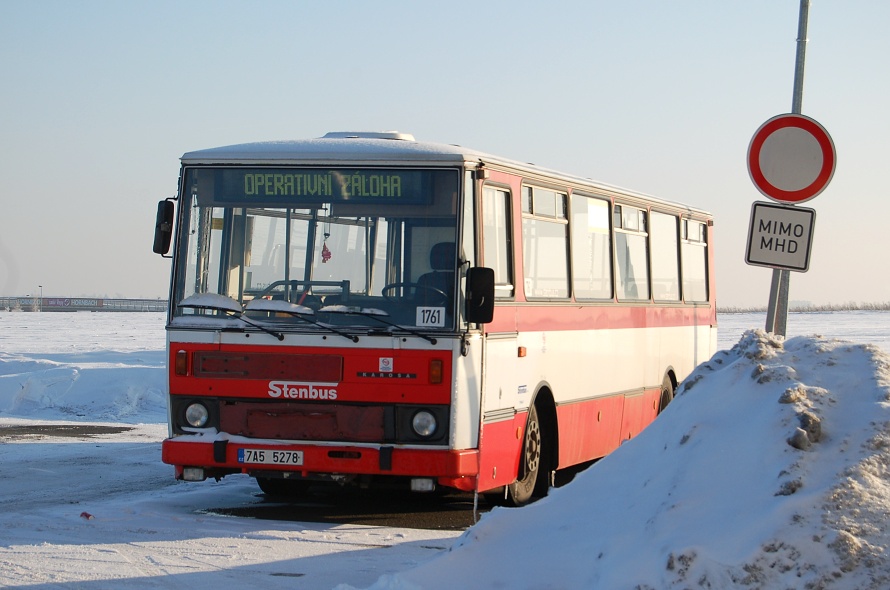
column 503, row 390
column 502, row 426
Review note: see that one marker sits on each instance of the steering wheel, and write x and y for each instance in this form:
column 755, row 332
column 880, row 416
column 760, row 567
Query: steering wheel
column 303, row 297
column 392, row 286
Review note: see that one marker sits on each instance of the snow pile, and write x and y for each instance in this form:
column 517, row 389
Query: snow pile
column 76, row 390
column 769, row 470
column 109, row 368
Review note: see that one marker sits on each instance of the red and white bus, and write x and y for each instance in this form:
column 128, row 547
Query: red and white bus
column 366, row 308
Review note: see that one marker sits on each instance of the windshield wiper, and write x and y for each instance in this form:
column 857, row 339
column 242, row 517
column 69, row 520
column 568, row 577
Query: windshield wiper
column 227, row 305
column 241, row 317
column 294, row 310
column 232, row 309
column 374, row 314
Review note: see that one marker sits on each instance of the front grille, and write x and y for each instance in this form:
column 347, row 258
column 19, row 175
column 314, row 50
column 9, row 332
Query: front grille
column 299, row 421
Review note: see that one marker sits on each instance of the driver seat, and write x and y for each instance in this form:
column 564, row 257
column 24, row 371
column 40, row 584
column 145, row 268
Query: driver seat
column 442, row 263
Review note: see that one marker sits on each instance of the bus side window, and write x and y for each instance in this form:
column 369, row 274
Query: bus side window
column 591, row 248
column 664, row 246
column 695, row 261
column 545, row 244
column 631, row 253
column 496, row 239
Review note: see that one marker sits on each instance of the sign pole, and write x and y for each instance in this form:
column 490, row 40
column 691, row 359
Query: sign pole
column 777, row 311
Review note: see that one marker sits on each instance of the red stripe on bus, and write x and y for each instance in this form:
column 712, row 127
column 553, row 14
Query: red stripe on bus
column 567, row 317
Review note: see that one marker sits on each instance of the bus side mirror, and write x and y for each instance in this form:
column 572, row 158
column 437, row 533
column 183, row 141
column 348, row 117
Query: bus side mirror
column 480, row 295
column 163, row 228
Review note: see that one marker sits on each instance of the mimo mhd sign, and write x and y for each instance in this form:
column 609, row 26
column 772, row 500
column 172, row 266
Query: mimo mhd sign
column 780, row 236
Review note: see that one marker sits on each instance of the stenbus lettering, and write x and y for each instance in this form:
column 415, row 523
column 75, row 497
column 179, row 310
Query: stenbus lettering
column 313, row 391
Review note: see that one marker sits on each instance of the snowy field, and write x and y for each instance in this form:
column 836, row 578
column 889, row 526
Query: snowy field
column 712, row 495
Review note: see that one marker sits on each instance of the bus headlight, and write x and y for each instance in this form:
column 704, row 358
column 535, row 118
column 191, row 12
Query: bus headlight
column 424, row 424
column 197, row 415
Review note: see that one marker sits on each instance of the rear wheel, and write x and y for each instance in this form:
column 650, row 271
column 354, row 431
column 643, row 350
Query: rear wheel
column 667, row 393
column 522, row 490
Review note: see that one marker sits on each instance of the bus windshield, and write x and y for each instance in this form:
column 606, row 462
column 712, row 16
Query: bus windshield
column 365, row 247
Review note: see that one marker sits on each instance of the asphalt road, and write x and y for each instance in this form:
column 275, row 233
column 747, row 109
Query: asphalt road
column 334, row 505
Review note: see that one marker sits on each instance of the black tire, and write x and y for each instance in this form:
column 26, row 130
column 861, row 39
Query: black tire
column 667, row 393
column 521, row 491
column 275, row 487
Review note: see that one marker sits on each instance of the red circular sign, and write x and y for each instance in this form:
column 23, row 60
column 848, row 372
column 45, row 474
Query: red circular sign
column 791, row 158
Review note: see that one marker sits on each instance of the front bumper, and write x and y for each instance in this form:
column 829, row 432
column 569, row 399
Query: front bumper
column 452, row 468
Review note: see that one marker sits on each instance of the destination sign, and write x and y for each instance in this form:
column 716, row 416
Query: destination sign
column 323, row 183
column 294, row 185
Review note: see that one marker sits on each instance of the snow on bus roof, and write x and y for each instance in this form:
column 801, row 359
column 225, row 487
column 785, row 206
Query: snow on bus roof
column 343, row 146
column 378, row 148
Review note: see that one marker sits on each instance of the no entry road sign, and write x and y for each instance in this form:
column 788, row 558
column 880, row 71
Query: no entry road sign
column 791, row 158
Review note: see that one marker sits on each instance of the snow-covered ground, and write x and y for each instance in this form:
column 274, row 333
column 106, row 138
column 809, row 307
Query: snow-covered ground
column 712, row 495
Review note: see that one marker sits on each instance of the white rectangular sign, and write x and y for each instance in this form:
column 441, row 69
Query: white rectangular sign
column 780, row 236
column 429, row 317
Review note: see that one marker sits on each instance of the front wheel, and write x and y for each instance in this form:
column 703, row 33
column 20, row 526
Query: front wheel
column 521, row 491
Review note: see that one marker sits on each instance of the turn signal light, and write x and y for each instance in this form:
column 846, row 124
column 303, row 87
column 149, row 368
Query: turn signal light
column 436, row 371
column 181, row 363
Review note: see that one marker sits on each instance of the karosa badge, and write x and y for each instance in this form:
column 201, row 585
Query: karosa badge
column 294, row 390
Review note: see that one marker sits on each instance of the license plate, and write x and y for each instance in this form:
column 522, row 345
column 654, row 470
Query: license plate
column 270, row 457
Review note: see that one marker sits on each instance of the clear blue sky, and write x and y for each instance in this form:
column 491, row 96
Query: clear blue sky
column 101, row 98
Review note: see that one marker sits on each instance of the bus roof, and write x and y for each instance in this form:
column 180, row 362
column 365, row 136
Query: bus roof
column 384, row 148
column 376, row 147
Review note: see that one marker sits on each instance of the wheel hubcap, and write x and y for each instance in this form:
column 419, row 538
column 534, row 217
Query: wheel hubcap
column 533, row 447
